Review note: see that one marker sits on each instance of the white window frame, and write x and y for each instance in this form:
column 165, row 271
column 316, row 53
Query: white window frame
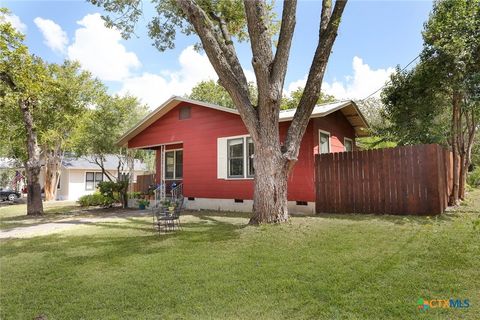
column 329, row 141
column 226, row 176
column 247, row 168
column 174, row 164
column 229, row 176
column 345, row 145
column 95, row 184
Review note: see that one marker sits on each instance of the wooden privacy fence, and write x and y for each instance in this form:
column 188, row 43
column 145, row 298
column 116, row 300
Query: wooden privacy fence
column 405, row 180
column 143, row 182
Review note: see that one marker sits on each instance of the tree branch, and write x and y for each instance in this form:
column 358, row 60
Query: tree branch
column 7, row 79
column 328, row 32
column 232, row 79
column 280, row 62
column 256, row 13
column 225, row 43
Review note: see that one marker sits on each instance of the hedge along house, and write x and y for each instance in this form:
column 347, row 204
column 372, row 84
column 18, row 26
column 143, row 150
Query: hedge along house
column 206, row 149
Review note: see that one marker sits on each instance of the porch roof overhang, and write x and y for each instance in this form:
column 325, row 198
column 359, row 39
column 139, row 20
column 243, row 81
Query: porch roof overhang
column 348, row 107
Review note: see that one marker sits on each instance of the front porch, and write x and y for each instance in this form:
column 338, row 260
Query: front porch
column 167, row 180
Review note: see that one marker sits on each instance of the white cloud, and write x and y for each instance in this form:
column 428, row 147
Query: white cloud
column 363, row 82
column 98, row 49
column 54, row 36
column 295, row 85
column 14, row 21
column 154, row 89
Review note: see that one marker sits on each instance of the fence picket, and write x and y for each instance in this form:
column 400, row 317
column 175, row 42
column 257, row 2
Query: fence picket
column 403, row 180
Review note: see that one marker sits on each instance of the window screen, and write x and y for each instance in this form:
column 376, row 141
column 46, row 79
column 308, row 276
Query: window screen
column 250, row 168
column 235, row 157
column 324, row 142
column 348, row 145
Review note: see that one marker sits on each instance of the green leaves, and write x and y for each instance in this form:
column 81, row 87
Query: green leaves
column 418, row 102
column 416, row 107
column 170, row 19
column 212, row 92
column 99, row 129
column 293, row 101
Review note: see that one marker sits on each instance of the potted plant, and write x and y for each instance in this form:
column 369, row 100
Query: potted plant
column 166, row 203
column 143, row 203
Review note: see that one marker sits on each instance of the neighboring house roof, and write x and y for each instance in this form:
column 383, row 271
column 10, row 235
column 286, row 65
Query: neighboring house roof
column 87, row 163
column 348, row 108
column 9, row 163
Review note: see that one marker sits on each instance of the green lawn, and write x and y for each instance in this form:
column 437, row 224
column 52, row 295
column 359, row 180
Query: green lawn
column 13, row 216
column 328, row 267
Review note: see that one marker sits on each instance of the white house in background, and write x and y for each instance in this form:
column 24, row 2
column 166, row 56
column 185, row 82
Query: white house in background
column 80, row 176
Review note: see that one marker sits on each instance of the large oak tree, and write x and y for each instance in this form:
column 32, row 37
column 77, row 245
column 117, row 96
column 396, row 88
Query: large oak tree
column 218, row 24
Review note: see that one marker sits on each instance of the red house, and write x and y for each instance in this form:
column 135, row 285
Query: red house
column 207, row 148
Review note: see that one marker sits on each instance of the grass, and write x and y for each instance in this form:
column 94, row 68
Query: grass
column 13, row 216
column 328, row 267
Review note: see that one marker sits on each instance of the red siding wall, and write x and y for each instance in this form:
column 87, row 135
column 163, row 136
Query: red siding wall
column 338, row 127
column 199, row 136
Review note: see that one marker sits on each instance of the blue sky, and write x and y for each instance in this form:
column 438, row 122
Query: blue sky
column 374, row 37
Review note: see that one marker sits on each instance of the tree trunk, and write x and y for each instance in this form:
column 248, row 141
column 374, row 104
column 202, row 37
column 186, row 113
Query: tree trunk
column 272, row 163
column 455, row 132
column 52, row 174
column 270, row 203
column 32, row 166
column 468, row 137
column 462, row 176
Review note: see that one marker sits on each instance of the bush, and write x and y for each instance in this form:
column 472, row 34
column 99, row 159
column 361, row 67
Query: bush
column 115, row 191
column 96, row 199
column 473, row 178
column 134, row 195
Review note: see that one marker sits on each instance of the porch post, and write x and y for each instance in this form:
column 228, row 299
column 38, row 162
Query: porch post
column 158, row 165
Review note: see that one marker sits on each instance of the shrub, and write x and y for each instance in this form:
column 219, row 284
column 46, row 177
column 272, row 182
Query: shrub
column 96, row 199
column 115, row 191
column 473, row 178
column 134, row 195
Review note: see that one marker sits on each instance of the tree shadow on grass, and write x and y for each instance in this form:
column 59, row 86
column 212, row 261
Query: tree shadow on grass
column 9, row 223
column 210, row 229
column 148, row 241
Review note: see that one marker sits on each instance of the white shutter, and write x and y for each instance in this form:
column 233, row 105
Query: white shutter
column 222, row 158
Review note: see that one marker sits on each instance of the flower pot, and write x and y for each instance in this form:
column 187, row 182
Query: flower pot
column 141, row 206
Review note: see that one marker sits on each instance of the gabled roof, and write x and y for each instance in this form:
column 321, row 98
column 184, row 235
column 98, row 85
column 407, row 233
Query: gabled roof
column 87, row 163
column 348, row 108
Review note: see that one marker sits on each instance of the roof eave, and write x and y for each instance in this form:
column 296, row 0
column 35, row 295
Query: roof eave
column 152, row 116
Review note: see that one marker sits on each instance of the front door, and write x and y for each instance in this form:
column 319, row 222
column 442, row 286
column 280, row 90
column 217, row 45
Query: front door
column 173, row 164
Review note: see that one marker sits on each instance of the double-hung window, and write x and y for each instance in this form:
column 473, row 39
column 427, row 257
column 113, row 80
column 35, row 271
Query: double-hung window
column 236, row 161
column 324, row 141
column 250, row 152
column 235, row 158
column 174, row 164
column 348, row 144
column 92, row 179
